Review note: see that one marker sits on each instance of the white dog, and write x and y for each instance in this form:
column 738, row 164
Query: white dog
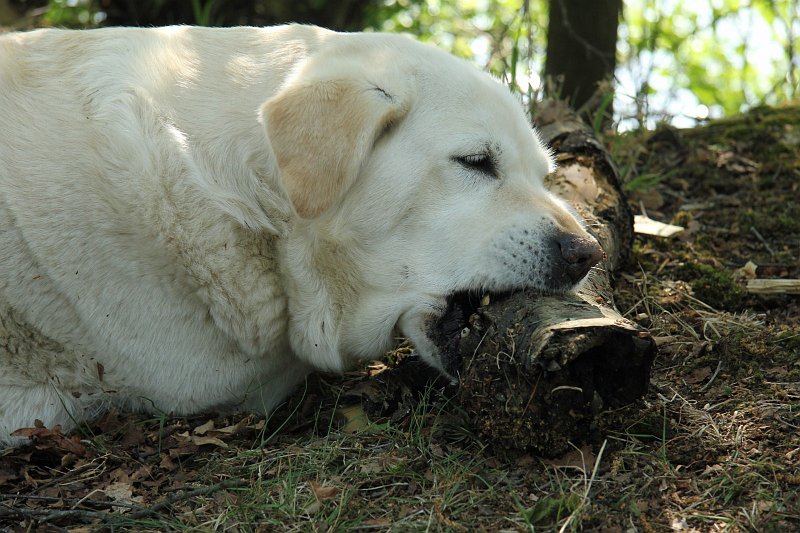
column 195, row 219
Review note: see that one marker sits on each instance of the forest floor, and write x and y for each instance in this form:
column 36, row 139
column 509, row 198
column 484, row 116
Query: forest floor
column 714, row 446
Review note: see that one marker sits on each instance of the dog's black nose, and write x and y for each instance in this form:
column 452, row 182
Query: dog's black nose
column 580, row 253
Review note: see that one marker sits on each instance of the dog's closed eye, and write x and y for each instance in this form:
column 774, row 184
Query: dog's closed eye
column 481, row 162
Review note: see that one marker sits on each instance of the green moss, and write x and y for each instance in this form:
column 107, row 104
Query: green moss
column 765, row 131
column 781, row 219
column 550, row 510
column 682, row 218
column 714, row 286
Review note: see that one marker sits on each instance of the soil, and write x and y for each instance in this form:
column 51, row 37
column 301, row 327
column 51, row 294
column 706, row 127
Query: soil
column 714, row 446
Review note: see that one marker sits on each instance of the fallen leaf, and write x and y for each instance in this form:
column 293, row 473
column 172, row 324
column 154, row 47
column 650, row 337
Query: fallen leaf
column 698, row 374
column 204, row 428
column 323, row 492
column 167, row 463
column 52, row 438
column 748, row 271
column 313, row 508
column 119, row 491
column 371, row 467
column 436, row 449
column 237, row 427
column 201, row 441
column 133, row 436
column 355, row 418
column 582, row 459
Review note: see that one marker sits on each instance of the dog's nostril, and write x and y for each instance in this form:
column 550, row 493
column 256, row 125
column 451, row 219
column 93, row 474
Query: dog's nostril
column 580, row 254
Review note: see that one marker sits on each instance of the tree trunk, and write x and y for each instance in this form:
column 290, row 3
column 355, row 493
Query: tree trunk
column 581, row 49
column 538, row 370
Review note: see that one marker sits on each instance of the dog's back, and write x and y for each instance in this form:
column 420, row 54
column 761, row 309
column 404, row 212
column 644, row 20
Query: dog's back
column 96, row 212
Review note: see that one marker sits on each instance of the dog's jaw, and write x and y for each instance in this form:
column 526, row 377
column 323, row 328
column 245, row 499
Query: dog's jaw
column 422, row 325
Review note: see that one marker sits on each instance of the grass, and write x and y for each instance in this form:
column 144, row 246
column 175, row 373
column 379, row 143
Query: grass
column 681, row 460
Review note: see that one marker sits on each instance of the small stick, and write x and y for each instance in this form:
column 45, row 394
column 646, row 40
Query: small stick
column 175, row 498
column 763, row 240
column 713, row 376
column 74, row 501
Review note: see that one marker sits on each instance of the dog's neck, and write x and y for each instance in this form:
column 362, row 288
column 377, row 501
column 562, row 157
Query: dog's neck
column 323, row 287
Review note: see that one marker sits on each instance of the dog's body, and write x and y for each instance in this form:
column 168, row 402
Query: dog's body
column 195, row 219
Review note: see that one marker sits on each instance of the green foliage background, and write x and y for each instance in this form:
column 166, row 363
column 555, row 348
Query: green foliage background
column 673, row 55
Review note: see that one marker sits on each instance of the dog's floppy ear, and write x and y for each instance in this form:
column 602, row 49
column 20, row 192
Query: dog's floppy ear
column 321, row 131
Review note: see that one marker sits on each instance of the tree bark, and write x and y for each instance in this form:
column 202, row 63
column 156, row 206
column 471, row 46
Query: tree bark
column 538, row 370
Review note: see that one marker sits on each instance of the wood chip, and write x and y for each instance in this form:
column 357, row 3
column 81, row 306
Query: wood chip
column 647, row 226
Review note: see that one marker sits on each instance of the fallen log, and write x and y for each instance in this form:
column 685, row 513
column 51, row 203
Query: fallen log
column 537, row 370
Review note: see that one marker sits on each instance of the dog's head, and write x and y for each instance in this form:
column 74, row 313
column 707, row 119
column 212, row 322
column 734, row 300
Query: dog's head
column 425, row 176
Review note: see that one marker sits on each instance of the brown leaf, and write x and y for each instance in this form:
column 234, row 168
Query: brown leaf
column 205, row 428
column 52, row 438
column 167, row 463
column 698, row 374
column 582, row 459
column 119, row 491
column 238, row 427
column 183, row 449
column 201, row 441
column 133, row 436
column 322, row 492
column 371, row 467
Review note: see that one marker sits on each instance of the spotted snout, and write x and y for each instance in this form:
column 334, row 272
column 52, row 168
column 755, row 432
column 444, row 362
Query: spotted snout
column 551, row 259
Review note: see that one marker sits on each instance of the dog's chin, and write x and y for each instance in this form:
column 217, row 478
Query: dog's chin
column 443, row 332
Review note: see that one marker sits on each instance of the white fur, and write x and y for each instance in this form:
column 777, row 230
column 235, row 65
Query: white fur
column 154, row 254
